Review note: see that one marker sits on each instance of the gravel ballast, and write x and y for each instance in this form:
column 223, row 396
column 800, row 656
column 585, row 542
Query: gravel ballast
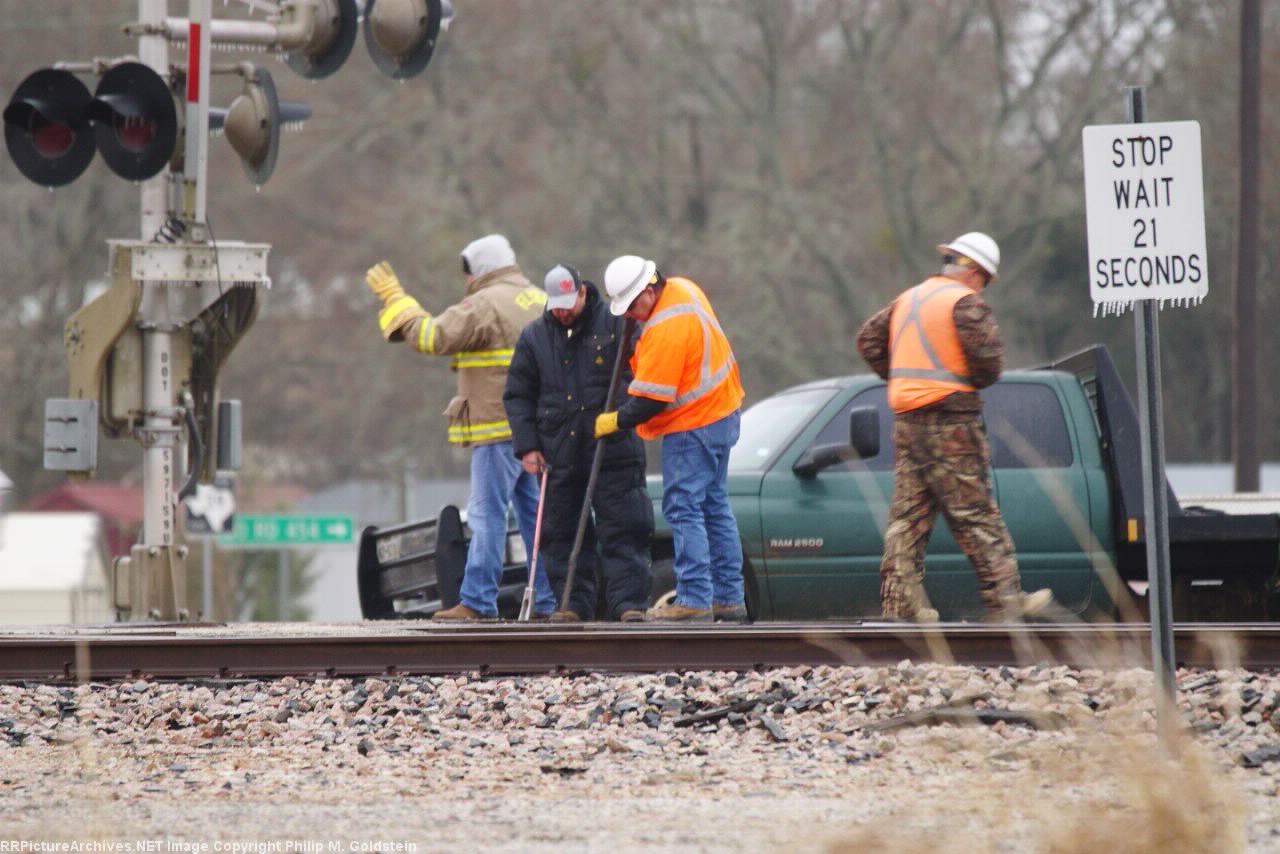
column 910, row 757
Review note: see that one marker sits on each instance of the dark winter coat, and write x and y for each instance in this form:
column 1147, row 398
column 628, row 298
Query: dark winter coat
column 557, row 384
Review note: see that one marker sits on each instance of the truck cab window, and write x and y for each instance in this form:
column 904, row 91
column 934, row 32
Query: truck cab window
column 1024, row 422
column 1026, row 426
column 770, row 425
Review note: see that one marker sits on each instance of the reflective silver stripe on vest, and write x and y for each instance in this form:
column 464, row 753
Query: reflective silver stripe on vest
column 710, row 382
column 913, row 318
column 653, row 388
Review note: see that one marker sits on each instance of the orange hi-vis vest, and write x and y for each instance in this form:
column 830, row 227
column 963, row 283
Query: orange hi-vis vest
column 926, row 360
column 684, row 359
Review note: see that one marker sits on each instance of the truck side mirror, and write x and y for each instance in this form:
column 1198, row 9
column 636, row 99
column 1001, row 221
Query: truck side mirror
column 820, row 457
column 864, row 431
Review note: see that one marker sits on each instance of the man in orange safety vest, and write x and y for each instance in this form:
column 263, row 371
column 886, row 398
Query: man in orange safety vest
column 937, row 344
column 686, row 391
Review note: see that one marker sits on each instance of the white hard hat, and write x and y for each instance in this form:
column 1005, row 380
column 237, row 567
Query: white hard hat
column 624, row 279
column 977, row 247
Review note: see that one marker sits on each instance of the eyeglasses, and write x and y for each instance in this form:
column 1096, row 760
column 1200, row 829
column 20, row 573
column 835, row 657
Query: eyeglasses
column 959, row 259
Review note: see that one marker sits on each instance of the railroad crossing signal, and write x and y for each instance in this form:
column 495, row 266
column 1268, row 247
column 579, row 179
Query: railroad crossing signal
column 137, row 369
column 46, row 129
column 134, row 119
column 52, row 125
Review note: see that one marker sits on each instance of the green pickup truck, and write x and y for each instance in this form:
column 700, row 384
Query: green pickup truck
column 811, row 479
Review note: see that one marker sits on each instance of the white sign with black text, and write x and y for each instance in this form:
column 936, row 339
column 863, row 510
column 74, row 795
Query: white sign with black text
column 1144, row 202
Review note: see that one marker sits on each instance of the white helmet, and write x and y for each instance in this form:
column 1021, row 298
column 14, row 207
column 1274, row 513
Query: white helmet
column 624, row 279
column 977, row 247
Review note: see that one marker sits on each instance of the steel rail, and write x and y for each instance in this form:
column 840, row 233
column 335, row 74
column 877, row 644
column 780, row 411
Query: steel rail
column 222, row 652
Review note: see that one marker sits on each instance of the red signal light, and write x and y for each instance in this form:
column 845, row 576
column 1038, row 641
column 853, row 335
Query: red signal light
column 45, row 128
column 134, row 134
column 51, row 139
column 135, row 117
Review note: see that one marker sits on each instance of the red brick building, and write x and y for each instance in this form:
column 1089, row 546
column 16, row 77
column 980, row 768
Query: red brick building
column 120, row 506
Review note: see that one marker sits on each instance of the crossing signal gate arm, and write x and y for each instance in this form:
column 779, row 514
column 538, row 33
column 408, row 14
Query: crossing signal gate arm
column 811, row 479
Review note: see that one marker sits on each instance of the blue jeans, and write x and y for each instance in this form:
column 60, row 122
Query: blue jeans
column 695, row 502
column 497, row 481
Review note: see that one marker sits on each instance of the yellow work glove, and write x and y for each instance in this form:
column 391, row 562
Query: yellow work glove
column 382, row 280
column 606, row 423
column 400, row 308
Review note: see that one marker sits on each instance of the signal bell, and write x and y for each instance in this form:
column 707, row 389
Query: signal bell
column 46, row 130
column 334, row 35
column 252, row 124
column 401, row 34
column 135, row 121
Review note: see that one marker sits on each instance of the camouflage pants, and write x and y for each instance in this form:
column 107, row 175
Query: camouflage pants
column 943, row 463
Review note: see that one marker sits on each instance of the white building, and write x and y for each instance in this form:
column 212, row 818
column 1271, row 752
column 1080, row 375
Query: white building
column 53, row 569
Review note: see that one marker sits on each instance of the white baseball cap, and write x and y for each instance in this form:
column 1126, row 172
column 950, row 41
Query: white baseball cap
column 562, row 284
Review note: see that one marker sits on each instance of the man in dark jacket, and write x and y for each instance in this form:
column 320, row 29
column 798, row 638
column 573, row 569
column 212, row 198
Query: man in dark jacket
column 556, row 386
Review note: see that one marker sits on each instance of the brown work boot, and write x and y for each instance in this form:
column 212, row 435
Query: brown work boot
column 730, row 613
column 565, row 617
column 460, row 613
column 1020, row 606
column 926, row 615
column 677, row 613
column 632, row 616
column 538, row 617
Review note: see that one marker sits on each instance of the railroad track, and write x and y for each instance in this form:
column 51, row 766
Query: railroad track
column 234, row 651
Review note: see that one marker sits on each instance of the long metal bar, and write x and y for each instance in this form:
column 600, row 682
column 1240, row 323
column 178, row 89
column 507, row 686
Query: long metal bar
column 157, row 433
column 196, row 158
column 526, row 600
column 206, row 575
column 210, row 652
column 1155, row 498
column 153, row 51
column 288, row 34
column 1245, row 454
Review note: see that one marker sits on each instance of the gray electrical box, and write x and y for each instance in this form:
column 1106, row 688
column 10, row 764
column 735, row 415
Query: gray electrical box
column 70, row 434
column 230, row 435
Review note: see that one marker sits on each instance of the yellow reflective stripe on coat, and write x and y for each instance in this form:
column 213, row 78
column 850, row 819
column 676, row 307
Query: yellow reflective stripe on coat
column 484, row 358
column 464, row 434
column 427, row 335
column 393, row 309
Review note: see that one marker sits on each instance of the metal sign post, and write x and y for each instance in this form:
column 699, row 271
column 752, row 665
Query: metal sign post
column 1144, row 197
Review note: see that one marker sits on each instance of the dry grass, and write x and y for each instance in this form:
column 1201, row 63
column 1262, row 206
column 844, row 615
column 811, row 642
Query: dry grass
column 1115, row 794
column 1114, row 788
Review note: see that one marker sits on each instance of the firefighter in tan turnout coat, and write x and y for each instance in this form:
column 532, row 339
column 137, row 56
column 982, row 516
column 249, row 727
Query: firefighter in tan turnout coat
column 937, row 344
column 480, row 334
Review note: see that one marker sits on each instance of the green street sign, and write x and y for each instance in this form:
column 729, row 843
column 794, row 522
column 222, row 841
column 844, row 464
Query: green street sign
column 278, row 531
